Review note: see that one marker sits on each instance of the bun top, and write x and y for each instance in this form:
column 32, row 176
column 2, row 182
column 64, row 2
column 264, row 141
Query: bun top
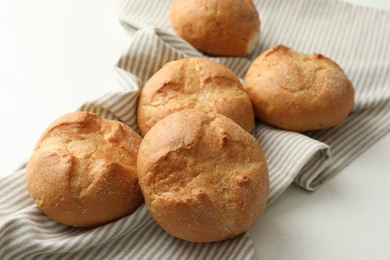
column 86, row 135
column 298, row 92
column 83, row 170
column 203, row 177
column 194, row 83
column 223, row 28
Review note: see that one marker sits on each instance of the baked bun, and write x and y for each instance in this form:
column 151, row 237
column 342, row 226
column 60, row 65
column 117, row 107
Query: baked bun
column 222, row 28
column 194, row 83
column 298, row 92
column 82, row 172
column 203, row 177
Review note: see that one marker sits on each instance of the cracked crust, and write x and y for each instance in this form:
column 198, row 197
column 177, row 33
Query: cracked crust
column 221, row 28
column 193, row 83
column 298, row 92
column 203, row 177
column 83, row 170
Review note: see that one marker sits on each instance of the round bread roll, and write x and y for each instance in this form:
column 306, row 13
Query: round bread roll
column 194, row 83
column 82, row 172
column 203, row 177
column 298, row 92
column 222, row 28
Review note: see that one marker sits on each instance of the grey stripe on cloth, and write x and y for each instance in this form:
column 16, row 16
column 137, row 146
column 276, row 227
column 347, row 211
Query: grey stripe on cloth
column 356, row 38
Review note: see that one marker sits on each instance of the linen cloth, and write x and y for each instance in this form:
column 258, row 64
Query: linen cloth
column 357, row 38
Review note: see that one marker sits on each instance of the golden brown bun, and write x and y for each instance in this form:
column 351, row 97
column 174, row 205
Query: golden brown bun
column 203, row 177
column 222, row 28
column 194, row 83
column 298, row 92
column 83, row 170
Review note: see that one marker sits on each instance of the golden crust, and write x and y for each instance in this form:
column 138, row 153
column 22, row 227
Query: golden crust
column 222, row 28
column 298, row 92
column 194, row 83
column 203, row 177
column 83, row 170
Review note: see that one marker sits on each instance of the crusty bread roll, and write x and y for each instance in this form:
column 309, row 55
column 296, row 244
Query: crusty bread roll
column 298, row 92
column 203, row 177
column 194, row 83
column 82, row 172
column 222, row 28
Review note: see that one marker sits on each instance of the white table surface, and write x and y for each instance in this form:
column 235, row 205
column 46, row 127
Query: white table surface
column 54, row 55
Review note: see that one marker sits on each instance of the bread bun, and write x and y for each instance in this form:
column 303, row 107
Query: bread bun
column 298, row 92
column 194, row 83
column 82, row 172
column 203, row 177
column 222, row 28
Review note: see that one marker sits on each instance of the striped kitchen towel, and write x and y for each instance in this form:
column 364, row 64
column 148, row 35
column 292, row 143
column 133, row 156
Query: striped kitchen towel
column 357, row 38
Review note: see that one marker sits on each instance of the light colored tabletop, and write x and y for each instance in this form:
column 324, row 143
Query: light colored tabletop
column 55, row 55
